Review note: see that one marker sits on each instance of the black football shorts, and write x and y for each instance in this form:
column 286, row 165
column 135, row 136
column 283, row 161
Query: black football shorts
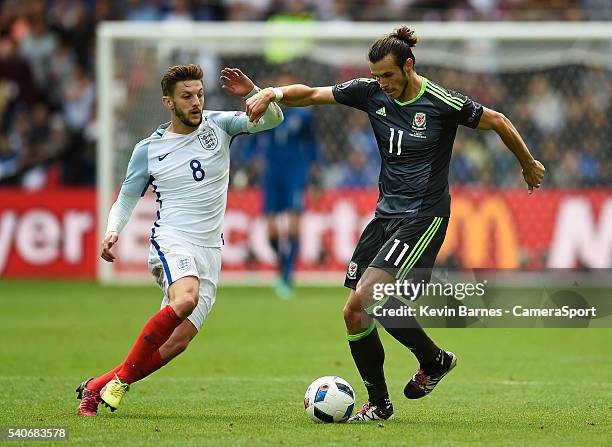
column 405, row 248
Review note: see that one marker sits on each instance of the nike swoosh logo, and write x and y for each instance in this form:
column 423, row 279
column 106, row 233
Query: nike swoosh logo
column 161, row 157
column 150, row 340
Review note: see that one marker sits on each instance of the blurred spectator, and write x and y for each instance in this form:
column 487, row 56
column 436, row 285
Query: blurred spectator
column 37, row 48
column 60, row 68
column 9, row 158
column 567, row 173
column 79, row 95
column 356, row 172
column 19, row 88
column 461, row 168
column 546, row 106
column 47, row 93
column 362, row 138
column 180, row 11
column 245, row 9
column 143, row 11
column 588, row 164
column 332, row 10
column 597, row 9
column 66, row 15
column 208, row 10
column 363, row 158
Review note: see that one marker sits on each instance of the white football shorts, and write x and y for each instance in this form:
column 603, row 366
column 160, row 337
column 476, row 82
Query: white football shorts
column 171, row 259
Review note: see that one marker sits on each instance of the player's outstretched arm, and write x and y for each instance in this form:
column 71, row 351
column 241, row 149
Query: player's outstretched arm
column 118, row 217
column 235, row 82
column 295, row 95
column 533, row 170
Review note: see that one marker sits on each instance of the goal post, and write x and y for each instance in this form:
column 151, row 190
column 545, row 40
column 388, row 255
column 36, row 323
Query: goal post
column 131, row 57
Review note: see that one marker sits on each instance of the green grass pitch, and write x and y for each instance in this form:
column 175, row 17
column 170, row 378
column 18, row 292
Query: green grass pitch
column 242, row 380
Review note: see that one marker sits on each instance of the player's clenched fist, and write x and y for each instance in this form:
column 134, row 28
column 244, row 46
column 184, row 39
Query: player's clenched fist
column 533, row 175
column 257, row 104
column 109, row 240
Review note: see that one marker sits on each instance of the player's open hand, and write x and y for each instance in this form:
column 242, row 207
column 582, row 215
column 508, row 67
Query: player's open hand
column 107, row 244
column 257, row 104
column 533, row 175
column 236, row 82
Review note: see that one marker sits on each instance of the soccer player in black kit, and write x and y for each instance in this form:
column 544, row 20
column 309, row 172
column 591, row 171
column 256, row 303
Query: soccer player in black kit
column 415, row 121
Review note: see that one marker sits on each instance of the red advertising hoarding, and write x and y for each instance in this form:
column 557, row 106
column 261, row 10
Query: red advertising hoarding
column 53, row 233
column 48, row 234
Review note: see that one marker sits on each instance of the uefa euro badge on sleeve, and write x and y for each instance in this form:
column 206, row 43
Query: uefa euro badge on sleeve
column 208, row 139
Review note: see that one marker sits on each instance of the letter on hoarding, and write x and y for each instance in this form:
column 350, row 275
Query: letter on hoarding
column 478, row 224
column 578, row 238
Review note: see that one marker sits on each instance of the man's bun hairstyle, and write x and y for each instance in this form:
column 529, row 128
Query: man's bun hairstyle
column 406, row 35
column 398, row 43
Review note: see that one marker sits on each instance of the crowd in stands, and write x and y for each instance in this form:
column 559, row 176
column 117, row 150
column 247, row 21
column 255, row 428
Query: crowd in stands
column 353, row 10
column 48, row 129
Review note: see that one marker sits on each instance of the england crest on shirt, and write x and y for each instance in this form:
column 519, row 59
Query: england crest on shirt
column 208, row 139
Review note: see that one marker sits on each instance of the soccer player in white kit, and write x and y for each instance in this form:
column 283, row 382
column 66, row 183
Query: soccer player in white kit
column 186, row 161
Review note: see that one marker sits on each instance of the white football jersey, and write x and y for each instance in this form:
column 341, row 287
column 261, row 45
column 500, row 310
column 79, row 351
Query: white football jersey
column 189, row 175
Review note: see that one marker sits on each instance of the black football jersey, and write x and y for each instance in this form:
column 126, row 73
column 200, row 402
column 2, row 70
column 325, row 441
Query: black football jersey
column 415, row 140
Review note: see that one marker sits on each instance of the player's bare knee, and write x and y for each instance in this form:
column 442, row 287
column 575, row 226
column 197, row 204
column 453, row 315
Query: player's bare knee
column 364, row 294
column 352, row 314
column 349, row 313
column 189, row 301
column 185, row 303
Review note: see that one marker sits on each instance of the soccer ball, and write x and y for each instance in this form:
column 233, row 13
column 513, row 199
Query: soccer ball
column 329, row 399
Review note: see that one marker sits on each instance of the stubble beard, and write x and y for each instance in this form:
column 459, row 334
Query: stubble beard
column 186, row 121
column 406, row 86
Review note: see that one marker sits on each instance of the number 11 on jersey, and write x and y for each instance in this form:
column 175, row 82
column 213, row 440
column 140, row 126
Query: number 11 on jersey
column 400, row 133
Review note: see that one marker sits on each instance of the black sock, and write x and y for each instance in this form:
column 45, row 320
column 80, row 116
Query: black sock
column 410, row 334
column 369, row 356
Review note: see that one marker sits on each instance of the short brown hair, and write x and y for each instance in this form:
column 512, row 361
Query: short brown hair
column 189, row 72
column 398, row 43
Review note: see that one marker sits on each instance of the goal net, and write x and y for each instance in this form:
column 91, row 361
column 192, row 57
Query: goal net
column 551, row 79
